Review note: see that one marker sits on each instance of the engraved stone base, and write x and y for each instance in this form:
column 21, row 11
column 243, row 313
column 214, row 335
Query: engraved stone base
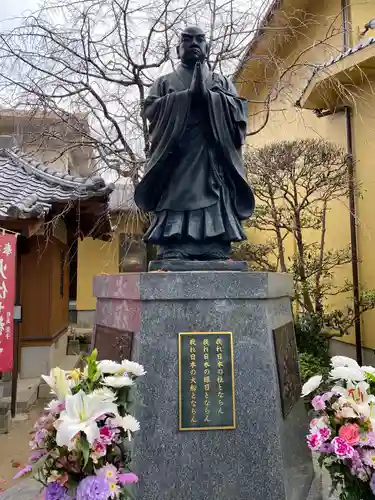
column 265, row 457
column 198, row 265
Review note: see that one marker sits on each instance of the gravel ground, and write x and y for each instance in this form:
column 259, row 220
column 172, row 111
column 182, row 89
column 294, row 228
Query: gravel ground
column 14, row 446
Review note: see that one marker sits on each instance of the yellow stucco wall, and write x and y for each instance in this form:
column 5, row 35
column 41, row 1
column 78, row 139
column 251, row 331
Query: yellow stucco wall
column 98, row 257
column 287, row 122
column 362, row 11
column 364, row 144
column 94, row 257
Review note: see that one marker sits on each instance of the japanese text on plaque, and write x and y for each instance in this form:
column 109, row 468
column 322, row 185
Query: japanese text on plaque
column 206, row 383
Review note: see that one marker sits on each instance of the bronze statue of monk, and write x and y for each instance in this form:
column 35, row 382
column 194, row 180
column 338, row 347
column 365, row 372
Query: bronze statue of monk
column 195, row 183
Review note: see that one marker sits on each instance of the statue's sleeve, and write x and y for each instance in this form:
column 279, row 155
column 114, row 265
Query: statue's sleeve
column 237, row 110
column 167, row 114
column 161, row 106
column 153, row 102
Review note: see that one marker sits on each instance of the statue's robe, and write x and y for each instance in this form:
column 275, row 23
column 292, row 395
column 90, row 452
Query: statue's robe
column 195, row 182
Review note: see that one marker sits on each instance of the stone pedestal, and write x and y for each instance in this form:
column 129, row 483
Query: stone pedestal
column 265, row 457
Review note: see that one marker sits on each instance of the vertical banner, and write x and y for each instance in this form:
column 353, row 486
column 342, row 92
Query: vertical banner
column 7, row 297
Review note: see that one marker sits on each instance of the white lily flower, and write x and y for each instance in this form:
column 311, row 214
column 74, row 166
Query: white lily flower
column 110, row 367
column 133, row 368
column 117, row 382
column 311, row 385
column 344, row 410
column 337, row 361
column 59, row 383
column 347, row 373
column 338, row 389
column 355, row 401
column 368, row 369
column 80, row 415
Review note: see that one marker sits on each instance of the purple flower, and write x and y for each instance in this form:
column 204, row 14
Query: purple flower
column 127, row 478
column 327, row 396
column 342, row 448
column 367, row 439
column 358, row 469
column 368, row 457
column 372, row 483
column 325, row 448
column 40, row 435
column 318, row 403
column 34, row 457
column 109, row 472
column 55, row 491
column 93, row 488
column 23, row 471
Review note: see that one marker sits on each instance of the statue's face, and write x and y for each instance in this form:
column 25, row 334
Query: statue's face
column 193, row 46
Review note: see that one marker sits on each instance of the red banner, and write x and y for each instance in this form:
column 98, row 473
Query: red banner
column 7, row 297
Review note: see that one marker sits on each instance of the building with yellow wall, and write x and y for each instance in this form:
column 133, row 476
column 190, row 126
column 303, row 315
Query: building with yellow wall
column 125, row 252
column 310, row 73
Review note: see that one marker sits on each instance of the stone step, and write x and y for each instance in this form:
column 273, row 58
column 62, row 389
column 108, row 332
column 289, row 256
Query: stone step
column 25, row 490
column 80, row 331
column 27, row 393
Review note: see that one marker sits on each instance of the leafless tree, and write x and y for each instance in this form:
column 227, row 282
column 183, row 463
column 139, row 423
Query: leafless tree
column 297, row 183
column 91, row 62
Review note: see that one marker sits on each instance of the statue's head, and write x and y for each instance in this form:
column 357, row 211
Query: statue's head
column 193, row 46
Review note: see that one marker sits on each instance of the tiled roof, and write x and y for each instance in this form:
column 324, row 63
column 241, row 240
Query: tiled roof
column 343, row 55
column 28, row 189
column 340, row 57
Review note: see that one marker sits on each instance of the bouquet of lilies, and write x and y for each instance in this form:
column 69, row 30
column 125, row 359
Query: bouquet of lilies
column 342, row 431
column 80, row 445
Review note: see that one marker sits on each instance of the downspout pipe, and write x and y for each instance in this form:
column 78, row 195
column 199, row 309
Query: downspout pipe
column 353, row 234
column 352, row 197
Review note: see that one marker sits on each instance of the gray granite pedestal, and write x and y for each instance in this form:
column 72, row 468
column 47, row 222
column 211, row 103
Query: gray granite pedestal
column 265, row 457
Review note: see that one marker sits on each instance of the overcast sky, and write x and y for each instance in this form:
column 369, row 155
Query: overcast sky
column 14, row 8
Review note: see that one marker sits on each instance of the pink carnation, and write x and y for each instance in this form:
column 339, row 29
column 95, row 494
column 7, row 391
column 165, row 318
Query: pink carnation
column 325, row 433
column 342, row 448
column 318, row 403
column 314, row 441
column 350, row 432
column 106, row 435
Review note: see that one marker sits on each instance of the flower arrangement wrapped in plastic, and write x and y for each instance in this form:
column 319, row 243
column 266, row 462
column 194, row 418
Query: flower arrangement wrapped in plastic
column 80, row 447
column 342, row 431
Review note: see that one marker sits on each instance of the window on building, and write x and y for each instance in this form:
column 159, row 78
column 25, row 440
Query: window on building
column 132, row 253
